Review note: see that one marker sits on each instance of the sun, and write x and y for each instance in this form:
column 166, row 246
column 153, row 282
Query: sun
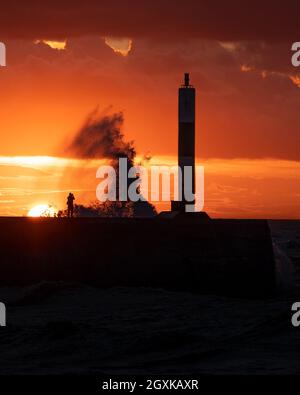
column 42, row 210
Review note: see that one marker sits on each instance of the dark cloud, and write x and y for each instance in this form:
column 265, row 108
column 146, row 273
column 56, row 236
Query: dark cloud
column 172, row 20
column 239, row 114
column 265, row 56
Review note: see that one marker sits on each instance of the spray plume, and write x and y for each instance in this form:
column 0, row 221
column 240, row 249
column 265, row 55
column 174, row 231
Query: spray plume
column 101, row 137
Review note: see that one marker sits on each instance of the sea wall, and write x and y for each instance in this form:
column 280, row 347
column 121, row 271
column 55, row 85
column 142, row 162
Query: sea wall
column 230, row 257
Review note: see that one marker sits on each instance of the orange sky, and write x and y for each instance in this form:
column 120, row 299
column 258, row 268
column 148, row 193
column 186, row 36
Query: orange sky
column 233, row 188
column 247, row 117
column 245, row 112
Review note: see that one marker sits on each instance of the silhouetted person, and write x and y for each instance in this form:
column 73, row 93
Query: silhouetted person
column 70, row 204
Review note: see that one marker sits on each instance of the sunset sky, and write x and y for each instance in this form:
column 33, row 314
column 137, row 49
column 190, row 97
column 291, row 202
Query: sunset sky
column 65, row 59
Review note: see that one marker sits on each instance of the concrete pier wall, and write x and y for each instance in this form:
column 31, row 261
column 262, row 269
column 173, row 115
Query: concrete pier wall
column 230, row 257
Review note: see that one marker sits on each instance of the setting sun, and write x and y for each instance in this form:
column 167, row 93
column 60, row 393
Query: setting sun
column 42, row 210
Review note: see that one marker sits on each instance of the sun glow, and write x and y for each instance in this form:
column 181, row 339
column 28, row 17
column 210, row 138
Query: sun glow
column 296, row 80
column 42, row 162
column 120, row 46
column 31, row 160
column 42, row 210
column 59, row 45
